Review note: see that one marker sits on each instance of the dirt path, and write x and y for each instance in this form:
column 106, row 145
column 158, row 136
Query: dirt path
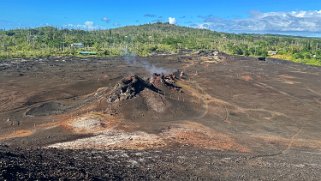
column 206, row 99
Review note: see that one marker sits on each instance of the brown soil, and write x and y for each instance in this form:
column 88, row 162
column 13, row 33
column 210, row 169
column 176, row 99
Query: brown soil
column 237, row 104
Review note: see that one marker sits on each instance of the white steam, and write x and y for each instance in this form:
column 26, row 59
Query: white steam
column 154, row 69
column 130, row 59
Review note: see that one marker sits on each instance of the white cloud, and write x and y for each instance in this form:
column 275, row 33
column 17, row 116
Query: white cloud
column 8, row 24
column 106, row 19
column 171, row 20
column 88, row 25
column 203, row 26
column 269, row 22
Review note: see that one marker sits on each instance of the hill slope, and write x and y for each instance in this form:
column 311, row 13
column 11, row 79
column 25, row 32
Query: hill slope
column 154, row 38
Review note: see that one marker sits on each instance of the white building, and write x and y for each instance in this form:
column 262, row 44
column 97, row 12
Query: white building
column 77, row 45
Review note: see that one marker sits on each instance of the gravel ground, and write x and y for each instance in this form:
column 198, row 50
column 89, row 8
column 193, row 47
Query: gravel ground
column 178, row 163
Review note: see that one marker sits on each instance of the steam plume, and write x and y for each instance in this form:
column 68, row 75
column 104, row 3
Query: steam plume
column 130, row 59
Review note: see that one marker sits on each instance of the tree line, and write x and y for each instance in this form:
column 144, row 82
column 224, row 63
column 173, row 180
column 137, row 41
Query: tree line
column 157, row 38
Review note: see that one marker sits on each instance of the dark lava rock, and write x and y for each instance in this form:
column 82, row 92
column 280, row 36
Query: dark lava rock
column 129, row 87
column 132, row 85
column 176, row 163
column 261, row 59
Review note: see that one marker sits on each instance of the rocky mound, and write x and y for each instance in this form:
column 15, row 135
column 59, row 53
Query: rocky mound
column 160, row 80
column 129, row 87
column 132, row 85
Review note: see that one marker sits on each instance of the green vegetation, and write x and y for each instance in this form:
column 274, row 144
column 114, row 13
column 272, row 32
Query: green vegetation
column 154, row 38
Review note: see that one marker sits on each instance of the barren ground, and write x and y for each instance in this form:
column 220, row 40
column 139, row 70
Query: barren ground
column 235, row 118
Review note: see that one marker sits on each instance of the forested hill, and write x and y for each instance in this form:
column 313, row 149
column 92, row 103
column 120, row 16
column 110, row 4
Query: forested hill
column 154, row 38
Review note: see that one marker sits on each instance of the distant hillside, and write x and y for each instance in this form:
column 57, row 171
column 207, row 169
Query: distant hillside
column 154, row 38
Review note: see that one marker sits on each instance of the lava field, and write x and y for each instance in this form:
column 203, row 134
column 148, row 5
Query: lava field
column 174, row 117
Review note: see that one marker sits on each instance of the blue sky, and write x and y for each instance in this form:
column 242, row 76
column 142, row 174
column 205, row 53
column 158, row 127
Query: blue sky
column 298, row 17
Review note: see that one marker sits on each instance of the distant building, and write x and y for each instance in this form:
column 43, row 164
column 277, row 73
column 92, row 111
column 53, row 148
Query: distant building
column 215, row 53
column 272, row 53
column 87, row 53
column 77, row 45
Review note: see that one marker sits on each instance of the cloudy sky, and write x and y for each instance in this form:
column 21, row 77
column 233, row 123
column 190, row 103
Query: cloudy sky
column 293, row 17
